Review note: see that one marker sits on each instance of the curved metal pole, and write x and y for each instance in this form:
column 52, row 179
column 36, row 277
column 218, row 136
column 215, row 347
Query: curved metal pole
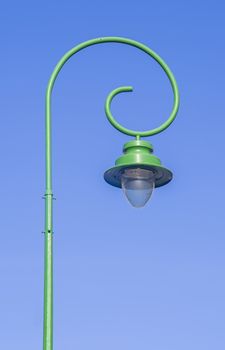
column 48, row 275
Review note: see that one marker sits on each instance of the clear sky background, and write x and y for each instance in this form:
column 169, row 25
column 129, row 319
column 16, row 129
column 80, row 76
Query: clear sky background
column 125, row 278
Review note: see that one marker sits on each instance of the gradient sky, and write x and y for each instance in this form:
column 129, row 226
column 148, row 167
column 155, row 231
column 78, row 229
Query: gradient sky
column 125, row 278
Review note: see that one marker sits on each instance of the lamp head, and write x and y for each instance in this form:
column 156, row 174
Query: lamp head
column 138, row 171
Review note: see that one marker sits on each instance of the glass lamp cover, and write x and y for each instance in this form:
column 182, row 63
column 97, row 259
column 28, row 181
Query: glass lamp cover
column 138, row 185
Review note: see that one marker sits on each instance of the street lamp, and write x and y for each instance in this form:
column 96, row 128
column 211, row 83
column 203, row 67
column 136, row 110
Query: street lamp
column 137, row 171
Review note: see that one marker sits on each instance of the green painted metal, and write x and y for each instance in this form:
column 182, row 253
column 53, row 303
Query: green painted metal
column 138, row 151
column 135, row 143
column 138, row 154
column 117, row 91
column 48, row 275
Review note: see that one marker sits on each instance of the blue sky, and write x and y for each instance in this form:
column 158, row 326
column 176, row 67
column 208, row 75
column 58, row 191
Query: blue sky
column 126, row 279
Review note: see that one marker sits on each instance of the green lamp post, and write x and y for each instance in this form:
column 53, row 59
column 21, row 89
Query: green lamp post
column 138, row 171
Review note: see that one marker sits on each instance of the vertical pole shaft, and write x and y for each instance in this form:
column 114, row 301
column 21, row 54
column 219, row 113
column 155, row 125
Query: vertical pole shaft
column 48, row 254
column 48, row 276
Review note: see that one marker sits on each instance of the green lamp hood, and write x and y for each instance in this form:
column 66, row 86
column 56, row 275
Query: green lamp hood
column 138, row 154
